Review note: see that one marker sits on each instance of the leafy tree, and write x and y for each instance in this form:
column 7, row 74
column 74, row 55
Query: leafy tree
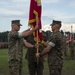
column 4, row 36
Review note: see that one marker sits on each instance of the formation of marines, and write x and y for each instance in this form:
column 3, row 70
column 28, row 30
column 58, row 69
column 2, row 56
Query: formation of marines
column 53, row 49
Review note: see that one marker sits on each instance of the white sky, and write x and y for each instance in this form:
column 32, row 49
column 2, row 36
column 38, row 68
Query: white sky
column 63, row 10
column 65, row 27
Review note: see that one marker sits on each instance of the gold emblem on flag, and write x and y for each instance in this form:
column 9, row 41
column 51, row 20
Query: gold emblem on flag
column 38, row 2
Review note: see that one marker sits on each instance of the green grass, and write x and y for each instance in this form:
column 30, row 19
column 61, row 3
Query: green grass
column 3, row 62
column 68, row 67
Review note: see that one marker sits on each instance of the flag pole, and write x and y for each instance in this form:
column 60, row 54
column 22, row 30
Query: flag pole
column 71, row 34
column 37, row 37
column 37, row 33
column 37, row 41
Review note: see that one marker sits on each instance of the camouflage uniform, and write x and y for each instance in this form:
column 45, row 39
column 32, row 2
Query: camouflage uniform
column 71, row 46
column 64, row 46
column 15, row 52
column 34, row 67
column 55, row 56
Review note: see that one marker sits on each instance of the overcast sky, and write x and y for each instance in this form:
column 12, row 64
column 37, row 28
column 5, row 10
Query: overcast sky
column 63, row 10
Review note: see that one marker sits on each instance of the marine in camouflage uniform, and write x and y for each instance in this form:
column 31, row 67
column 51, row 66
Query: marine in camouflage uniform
column 15, row 53
column 54, row 50
column 55, row 57
column 64, row 46
column 15, row 47
column 34, row 67
column 72, row 47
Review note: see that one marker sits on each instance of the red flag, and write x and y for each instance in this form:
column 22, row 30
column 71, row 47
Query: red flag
column 35, row 16
column 70, row 37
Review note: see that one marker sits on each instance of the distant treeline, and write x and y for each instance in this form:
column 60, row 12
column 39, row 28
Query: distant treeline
column 46, row 36
column 4, row 36
column 4, row 39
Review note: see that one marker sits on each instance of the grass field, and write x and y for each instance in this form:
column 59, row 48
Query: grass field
column 68, row 67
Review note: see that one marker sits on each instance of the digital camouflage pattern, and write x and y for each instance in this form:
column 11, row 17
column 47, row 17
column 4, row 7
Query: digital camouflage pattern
column 65, row 46
column 72, row 44
column 72, row 48
column 33, row 67
column 15, row 53
column 55, row 56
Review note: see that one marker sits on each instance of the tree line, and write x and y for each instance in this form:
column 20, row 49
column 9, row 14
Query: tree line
column 46, row 35
column 4, row 35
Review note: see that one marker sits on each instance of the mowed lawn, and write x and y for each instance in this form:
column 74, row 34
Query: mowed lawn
column 68, row 67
